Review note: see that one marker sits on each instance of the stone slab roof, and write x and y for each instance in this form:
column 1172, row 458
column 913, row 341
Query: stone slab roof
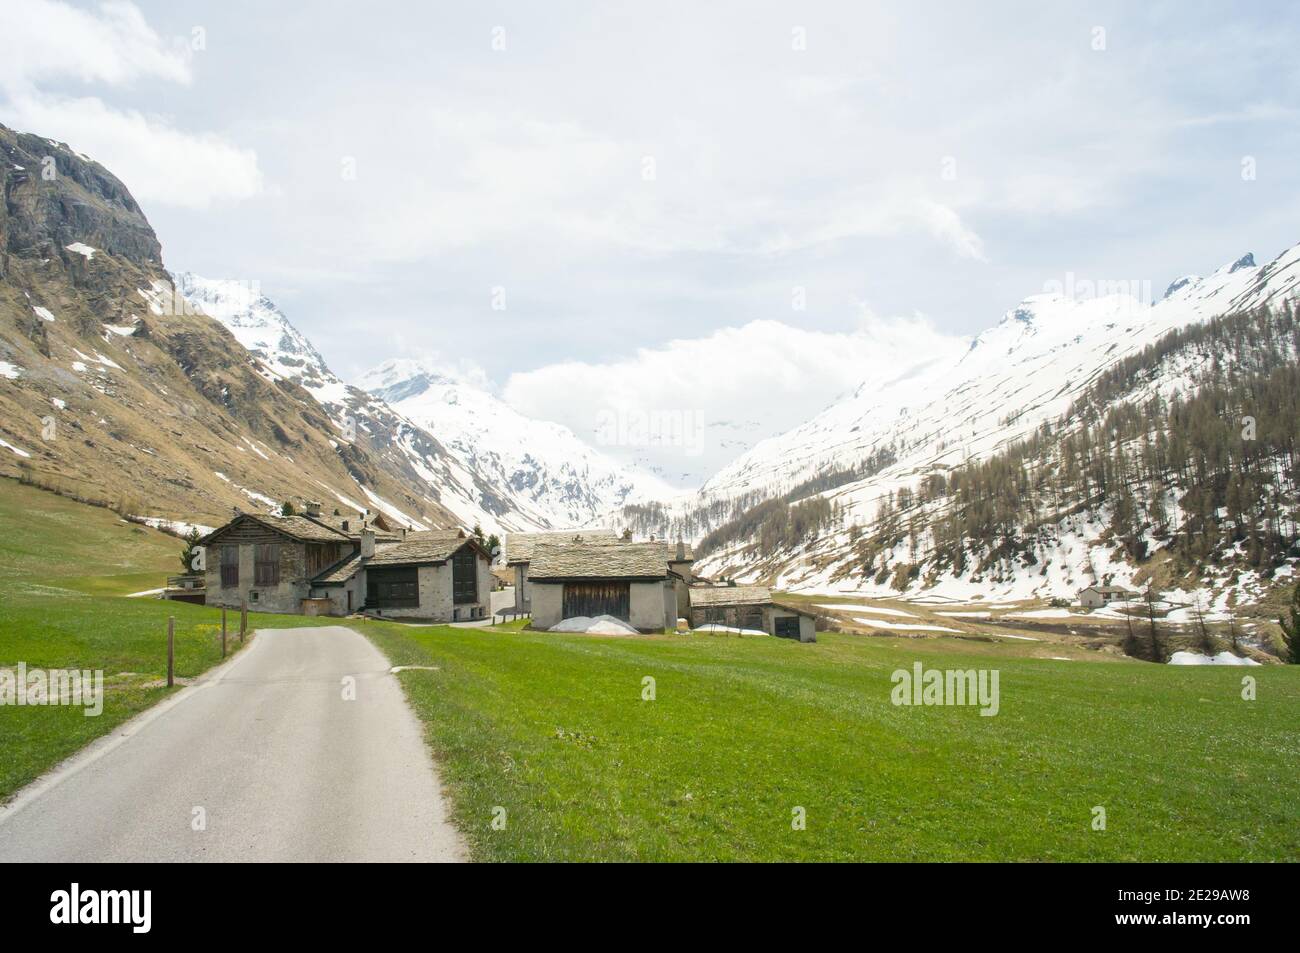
column 433, row 546
column 730, row 595
column 598, row 560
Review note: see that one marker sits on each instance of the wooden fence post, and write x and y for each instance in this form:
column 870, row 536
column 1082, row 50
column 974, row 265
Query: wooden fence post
column 171, row 650
column 243, row 621
column 223, row 632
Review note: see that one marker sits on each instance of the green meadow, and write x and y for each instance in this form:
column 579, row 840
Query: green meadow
column 65, row 569
column 714, row 747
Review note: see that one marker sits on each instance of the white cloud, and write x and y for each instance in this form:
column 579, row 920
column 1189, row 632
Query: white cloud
column 46, row 41
column 730, row 388
column 946, row 225
column 157, row 162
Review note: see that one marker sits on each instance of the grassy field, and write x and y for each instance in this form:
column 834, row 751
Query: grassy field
column 741, row 732
column 64, row 569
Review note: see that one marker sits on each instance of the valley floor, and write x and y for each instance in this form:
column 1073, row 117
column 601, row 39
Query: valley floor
column 715, row 747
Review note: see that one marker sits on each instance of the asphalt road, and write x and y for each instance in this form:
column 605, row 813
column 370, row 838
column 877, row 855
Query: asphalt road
column 267, row 753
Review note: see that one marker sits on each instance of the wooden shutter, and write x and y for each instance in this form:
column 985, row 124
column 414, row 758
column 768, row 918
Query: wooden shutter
column 266, row 564
column 464, row 576
column 229, row 567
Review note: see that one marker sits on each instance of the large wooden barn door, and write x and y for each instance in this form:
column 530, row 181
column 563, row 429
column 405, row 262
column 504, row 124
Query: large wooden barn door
column 597, row 598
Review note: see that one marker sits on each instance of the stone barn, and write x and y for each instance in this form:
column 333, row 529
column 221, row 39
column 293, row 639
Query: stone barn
column 519, row 549
column 750, row 607
column 629, row 581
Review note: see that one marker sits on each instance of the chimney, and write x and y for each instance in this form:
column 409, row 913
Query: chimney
column 681, row 551
column 367, row 544
column 312, row 507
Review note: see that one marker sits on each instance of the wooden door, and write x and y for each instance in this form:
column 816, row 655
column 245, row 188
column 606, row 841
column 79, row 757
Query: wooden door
column 597, row 598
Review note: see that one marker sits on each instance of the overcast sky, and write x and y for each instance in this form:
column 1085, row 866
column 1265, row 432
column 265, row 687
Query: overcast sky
column 732, row 210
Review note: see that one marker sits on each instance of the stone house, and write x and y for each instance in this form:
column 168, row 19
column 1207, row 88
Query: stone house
column 750, row 607
column 268, row 562
column 319, row 565
column 441, row 576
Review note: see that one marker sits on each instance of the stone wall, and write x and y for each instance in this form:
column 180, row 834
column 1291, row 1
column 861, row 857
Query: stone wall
column 548, row 604
column 285, row 597
column 650, row 606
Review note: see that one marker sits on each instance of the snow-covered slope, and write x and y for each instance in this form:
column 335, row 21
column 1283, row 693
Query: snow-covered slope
column 1012, row 378
column 543, row 468
column 1029, row 366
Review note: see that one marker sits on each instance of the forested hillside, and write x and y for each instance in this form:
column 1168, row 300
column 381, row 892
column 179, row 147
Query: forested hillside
column 1186, row 449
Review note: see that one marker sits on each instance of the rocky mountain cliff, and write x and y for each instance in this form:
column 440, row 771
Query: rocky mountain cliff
column 115, row 390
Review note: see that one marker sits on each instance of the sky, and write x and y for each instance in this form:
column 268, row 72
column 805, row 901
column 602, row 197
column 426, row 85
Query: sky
column 724, row 215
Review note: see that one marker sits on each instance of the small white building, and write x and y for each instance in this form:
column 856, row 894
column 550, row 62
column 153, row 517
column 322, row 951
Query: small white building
column 1095, row 597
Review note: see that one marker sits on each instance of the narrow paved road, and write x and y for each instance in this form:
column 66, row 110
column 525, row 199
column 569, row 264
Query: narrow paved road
column 267, row 751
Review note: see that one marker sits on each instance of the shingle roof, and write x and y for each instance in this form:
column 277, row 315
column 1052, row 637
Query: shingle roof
column 434, row 546
column 604, row 560
column 519, row 547
column 730, row 595
column 340, row 572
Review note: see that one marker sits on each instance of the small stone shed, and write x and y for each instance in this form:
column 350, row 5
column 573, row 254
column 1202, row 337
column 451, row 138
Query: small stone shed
column 750, row 607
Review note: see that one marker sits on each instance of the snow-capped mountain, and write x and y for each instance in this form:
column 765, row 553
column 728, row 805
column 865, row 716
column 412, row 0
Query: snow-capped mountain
column 1028, row 367
column 486, row 462
column 542, row 467
column 284, row 354
column 257, row 324
column 1012, row 378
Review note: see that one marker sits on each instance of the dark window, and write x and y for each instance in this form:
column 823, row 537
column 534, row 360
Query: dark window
column 464, row 576
column 787, row 626
column 266, row 565
column 394, row 588
column 229, row 567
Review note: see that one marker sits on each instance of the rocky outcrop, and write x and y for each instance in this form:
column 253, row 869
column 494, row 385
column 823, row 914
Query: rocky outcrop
column 110, row 392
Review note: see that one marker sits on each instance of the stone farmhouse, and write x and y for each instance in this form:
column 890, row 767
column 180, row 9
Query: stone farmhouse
column 335, row 565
